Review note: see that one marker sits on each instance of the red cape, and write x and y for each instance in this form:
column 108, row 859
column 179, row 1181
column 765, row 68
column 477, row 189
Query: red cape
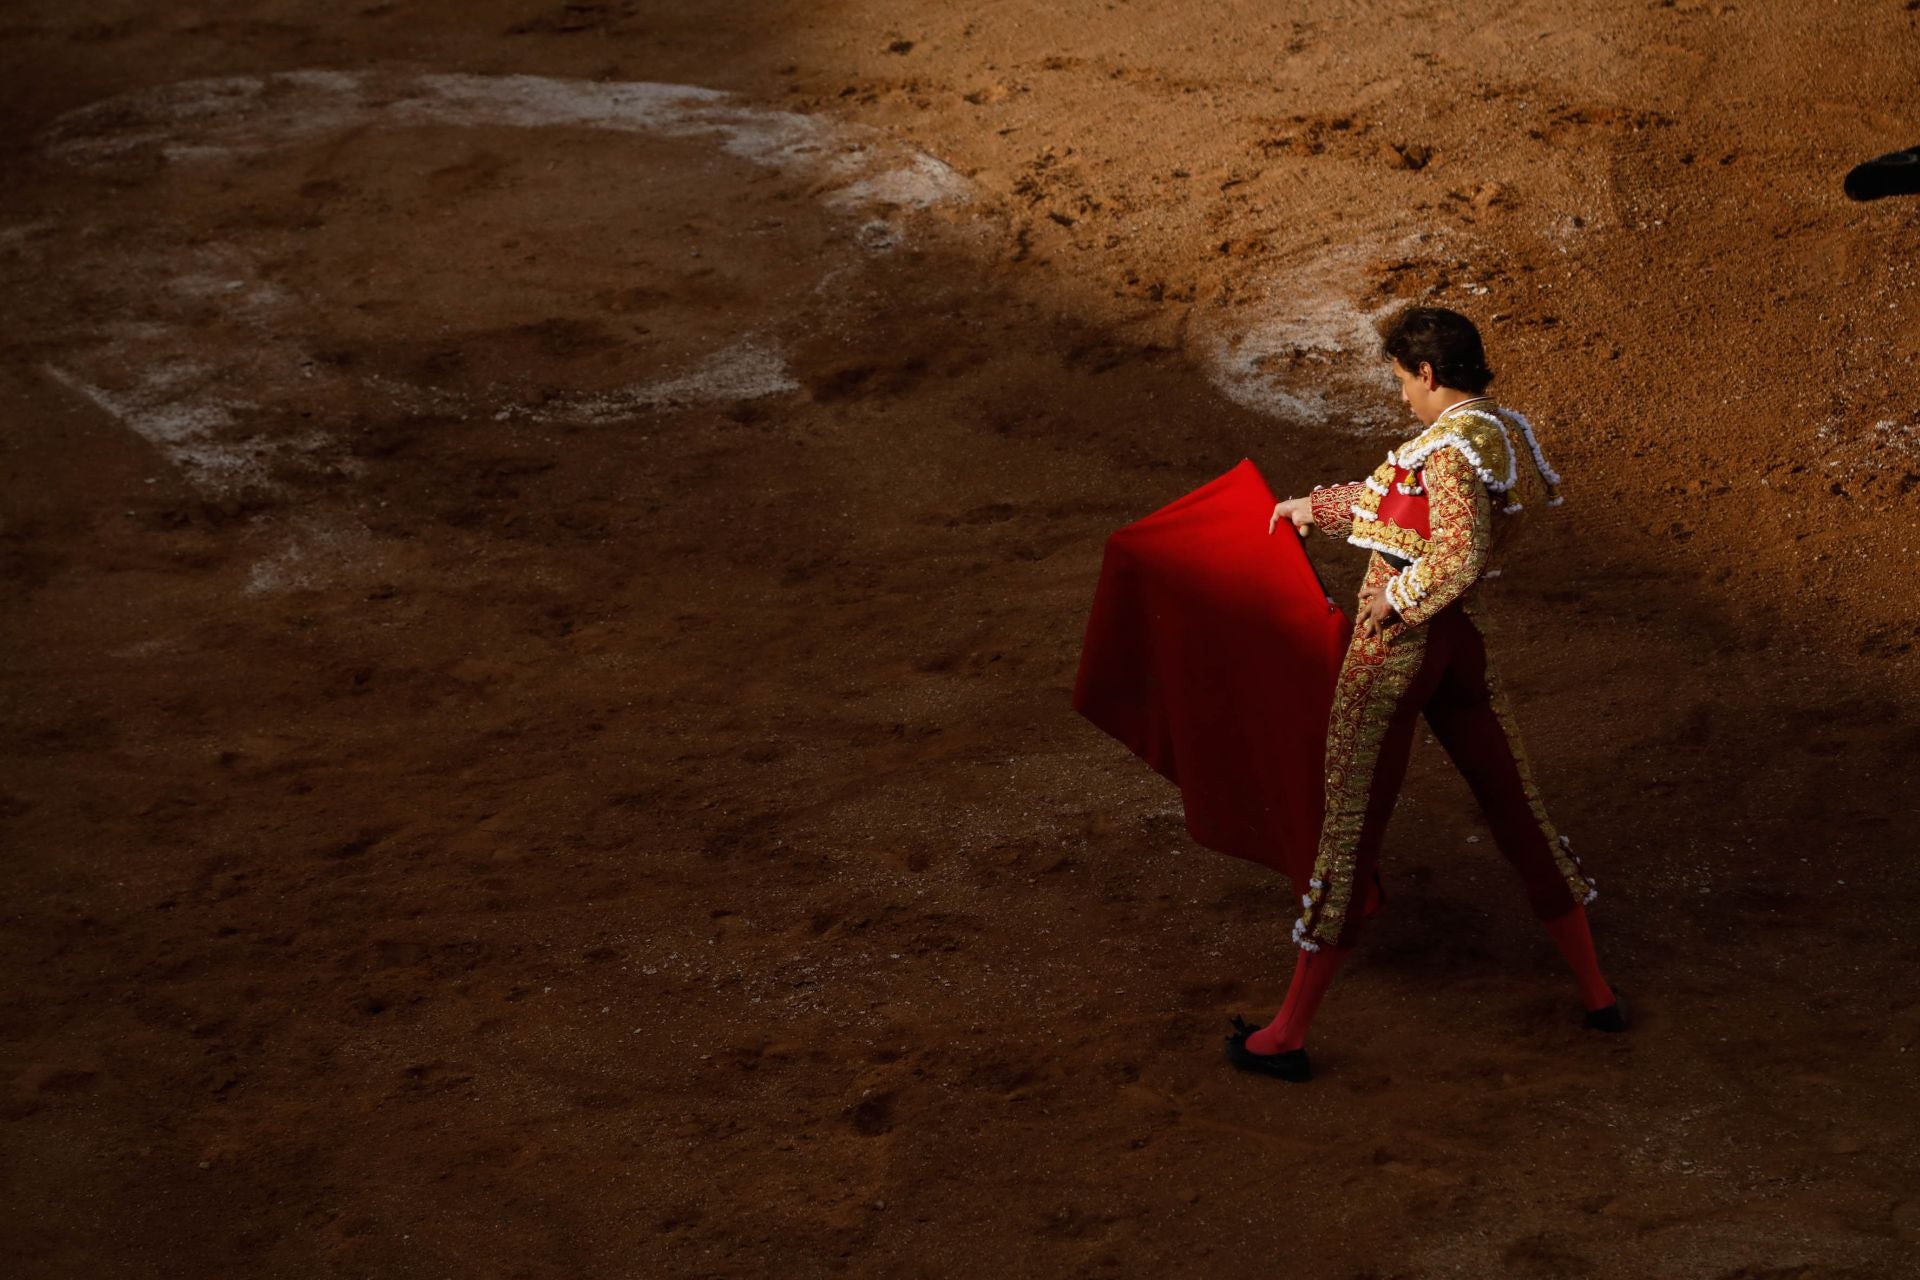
column 1211, row 651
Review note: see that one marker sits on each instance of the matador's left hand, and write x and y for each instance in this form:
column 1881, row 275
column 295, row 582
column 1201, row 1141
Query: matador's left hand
column 1375, row 612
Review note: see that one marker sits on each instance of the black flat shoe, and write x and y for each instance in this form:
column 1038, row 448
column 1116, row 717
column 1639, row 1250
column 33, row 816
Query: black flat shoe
column 1290, row 1065
column 1611, row 1018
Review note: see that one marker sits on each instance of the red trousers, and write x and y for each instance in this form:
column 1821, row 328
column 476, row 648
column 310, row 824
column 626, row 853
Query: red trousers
column 1386, row 683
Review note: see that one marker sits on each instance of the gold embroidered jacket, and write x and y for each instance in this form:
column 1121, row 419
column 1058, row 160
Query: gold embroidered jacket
column 1439, row 520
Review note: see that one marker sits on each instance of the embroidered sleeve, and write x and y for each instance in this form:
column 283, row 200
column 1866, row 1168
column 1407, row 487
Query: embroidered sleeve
column 1333, row 507
column 1460, row 518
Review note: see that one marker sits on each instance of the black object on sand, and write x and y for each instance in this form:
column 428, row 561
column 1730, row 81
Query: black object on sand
column 1895, row 174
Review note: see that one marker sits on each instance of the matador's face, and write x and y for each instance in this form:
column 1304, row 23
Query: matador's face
column 1420, row 391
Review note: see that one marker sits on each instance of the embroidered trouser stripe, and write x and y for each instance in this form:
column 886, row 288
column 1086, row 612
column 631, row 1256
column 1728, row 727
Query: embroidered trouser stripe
column 1470, row 717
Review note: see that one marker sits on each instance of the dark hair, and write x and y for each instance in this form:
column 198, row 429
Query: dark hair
column 1444, row 339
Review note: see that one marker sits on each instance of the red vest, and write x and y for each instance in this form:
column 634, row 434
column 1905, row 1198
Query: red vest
column 1408, row 510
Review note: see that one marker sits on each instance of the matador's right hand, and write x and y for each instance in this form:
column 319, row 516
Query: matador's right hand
column 1298, row 510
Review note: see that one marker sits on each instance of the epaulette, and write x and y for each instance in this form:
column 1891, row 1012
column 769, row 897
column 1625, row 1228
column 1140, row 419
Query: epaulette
column 1481, row 439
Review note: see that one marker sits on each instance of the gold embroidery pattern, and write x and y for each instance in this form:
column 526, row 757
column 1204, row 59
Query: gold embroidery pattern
column 1382, row 535
column 1333, row 506
column 1374, row 676
column 1366, row 503
column 1480, row 436
column 1460, row 523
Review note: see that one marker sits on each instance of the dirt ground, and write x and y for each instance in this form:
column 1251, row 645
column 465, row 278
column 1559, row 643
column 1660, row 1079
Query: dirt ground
column 546, row 551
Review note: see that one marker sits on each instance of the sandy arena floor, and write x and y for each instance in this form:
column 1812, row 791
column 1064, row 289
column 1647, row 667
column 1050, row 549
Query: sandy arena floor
column 546, row 549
